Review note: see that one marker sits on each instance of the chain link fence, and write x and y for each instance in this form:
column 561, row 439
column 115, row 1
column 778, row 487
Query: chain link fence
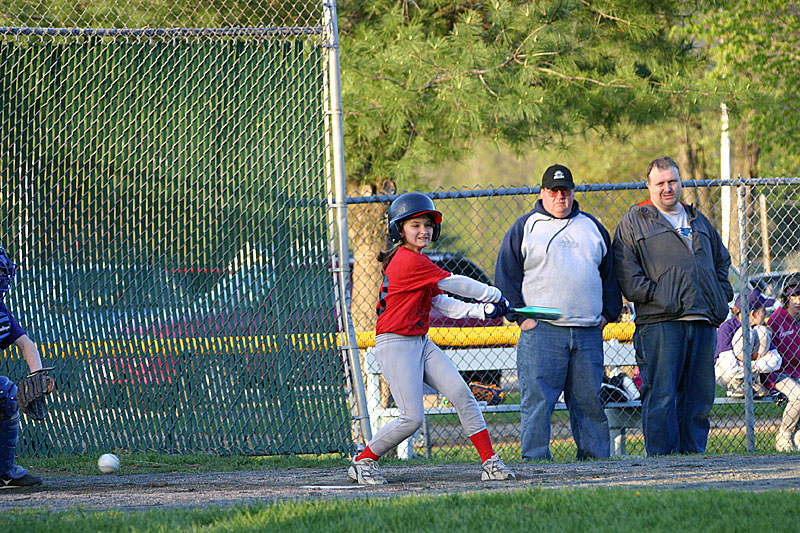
column 148, row 18
column 166, row 184
column 167, row 175
column 474, row 223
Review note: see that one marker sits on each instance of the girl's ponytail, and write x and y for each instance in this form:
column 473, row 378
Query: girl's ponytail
column 386, row 256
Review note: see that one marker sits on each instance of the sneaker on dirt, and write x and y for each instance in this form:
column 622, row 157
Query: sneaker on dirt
column 365, row 472
column 7, row 482
column 494, row 468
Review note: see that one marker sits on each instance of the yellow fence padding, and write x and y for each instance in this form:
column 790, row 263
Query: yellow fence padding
column 476, row 337
column 492, row 336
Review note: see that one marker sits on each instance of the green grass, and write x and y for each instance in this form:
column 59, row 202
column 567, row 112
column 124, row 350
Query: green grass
column 153, row 463
column 520, row 510
column 564, row 450
column 525, row 510
column 767, row 416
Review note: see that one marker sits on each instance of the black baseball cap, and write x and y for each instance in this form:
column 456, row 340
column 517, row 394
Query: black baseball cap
column 557, row 176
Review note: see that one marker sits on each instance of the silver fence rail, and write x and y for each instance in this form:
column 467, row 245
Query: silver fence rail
column 757, row 218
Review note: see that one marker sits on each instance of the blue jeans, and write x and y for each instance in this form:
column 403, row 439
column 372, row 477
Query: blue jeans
column 551, row 359
column 676, row 361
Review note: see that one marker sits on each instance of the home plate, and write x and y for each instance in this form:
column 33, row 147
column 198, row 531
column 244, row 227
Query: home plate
column 333, row 487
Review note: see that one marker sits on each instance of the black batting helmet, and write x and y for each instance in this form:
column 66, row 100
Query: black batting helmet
column 7, row 271
column 791, row 286
column 410, row 205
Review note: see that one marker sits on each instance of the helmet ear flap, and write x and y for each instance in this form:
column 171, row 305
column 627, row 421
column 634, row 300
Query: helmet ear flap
column 394, row 233
column 437, row 229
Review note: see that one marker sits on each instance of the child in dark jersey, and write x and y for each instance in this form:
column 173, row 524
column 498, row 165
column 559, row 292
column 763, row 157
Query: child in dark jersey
column 12, row 475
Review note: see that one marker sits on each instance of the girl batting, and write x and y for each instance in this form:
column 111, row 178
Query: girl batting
column 407, row 357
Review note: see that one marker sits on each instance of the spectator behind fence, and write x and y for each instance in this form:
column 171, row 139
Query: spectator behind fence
column 728, row 328
column 729, row 366
column 785, row 325
column 671, row 263
column 559, row 256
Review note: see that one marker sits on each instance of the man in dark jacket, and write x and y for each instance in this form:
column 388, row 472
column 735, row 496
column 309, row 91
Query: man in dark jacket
column 671, row 263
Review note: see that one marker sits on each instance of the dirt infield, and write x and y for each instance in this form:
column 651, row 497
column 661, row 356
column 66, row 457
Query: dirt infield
column 144, row 491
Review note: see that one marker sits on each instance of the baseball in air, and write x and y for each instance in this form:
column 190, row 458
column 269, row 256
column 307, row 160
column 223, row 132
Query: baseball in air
column 108, row 463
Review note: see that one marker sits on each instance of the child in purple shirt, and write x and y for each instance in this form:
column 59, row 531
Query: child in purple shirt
column 728, row 328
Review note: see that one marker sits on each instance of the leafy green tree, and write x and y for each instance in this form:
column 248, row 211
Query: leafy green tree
column 423, row 80
column 753, row 68
column 754, row 51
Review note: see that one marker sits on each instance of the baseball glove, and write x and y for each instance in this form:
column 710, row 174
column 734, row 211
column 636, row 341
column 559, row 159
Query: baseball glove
column 31, row 392
column 491, row 394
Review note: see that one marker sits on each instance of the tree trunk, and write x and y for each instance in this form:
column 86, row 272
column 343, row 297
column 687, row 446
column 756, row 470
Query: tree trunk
column 686, row 160
column 744, row 164
column 692, row 159
column 368, row 234
column 745, row 154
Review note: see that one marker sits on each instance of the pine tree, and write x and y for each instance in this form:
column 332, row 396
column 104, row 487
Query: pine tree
column 423, row 80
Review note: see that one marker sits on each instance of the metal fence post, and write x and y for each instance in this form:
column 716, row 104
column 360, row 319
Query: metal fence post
column 744, row 292
column 347, row 333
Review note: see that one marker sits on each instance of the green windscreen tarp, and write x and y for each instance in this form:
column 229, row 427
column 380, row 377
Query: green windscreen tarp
column 165, row 203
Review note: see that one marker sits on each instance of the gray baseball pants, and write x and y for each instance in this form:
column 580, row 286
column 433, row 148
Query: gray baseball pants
column 790, row 387
column 407, row 362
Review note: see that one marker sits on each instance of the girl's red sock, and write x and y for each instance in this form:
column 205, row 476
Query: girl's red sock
column 483, row 443
column 369, row 454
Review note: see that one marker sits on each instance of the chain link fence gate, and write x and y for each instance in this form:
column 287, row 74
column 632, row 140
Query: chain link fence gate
column 166, row 189
column 474, row 223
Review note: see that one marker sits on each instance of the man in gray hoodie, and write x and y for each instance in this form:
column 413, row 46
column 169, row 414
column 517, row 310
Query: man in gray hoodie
column 671, row 263
column 560, row 256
